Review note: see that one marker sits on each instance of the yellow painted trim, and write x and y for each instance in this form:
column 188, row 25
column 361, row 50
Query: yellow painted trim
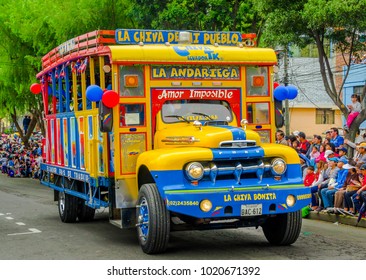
column 92, row 75
column 101, row 72
column 166, row 54
column 83, row 89
column 277, row 150
column 173, row 158
column 75, row 91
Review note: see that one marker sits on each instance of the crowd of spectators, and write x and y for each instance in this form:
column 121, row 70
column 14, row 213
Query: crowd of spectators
column 17, row 160
column 334, row 169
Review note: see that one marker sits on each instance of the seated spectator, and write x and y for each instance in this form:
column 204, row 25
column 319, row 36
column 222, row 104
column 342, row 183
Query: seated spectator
column 304, row 144
column 342, row 153
column 336, row 139
column 352, row 187
column 316, row 141
column 360, row 157
column 310, row 176
column 354, row 110
column 330, row 176
column 329, row 154
column 320, row 177
column 321, row 153
column 339, row 197
column 327, row 194
column 314, row 153
column 280, row 138
column 360, row 196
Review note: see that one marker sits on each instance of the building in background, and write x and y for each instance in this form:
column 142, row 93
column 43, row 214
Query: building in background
column 312, row 111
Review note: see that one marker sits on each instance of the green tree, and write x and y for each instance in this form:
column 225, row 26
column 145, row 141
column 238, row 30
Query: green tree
column 211, row 15
column 29, row 30
column 319, row 21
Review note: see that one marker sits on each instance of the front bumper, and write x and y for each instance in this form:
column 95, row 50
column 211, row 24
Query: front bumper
column 229, row 203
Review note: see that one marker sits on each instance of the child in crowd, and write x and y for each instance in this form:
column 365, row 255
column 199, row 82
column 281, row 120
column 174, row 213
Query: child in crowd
column 310, row 176
column 354, row 110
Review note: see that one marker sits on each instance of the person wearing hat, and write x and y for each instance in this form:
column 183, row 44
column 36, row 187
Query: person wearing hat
column 360, row 156
column 327, row 194
column 329, row 154
column 342, row 153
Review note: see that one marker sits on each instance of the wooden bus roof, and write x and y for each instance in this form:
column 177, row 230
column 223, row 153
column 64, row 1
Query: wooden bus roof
column 109, row 42
column 94, row 42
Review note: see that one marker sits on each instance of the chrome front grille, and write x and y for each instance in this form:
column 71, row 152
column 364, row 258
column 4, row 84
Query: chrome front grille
column 236, row 170
column 237, row 144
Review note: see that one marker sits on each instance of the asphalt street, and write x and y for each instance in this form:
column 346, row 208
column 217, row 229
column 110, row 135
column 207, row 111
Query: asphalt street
column 30, row 229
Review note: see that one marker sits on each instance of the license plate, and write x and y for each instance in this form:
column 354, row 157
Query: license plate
column 251, row 210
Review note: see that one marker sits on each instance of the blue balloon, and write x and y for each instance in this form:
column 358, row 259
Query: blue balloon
column 292, row 92
column 94, row 93
column 281, row 93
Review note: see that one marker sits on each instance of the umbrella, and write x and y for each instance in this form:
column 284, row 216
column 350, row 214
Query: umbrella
column 361, row 212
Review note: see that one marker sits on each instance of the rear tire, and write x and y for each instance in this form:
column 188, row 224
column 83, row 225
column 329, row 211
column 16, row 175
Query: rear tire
column 284, row 229
column 67, row 205
column 153, row 220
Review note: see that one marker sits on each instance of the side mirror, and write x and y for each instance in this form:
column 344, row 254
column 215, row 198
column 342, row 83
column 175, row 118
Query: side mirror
column 105, row 118
column 279, row 111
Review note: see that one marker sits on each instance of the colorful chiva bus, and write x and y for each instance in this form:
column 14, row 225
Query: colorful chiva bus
column 169, row 130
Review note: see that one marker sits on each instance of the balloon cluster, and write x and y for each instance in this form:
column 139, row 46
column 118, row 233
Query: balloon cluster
column 284, row 92
column 109, row 98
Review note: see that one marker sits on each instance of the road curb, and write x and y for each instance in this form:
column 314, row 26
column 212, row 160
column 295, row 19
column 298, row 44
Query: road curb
column 341, row 219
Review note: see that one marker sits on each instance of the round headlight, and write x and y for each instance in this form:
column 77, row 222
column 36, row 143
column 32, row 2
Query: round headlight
column 278, row 166
column 205, row 205
column 195, row 171
column 290, row 200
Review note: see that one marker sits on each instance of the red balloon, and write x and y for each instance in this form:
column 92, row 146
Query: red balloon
column 110, row 98
column 275, row 84
column 35, row 88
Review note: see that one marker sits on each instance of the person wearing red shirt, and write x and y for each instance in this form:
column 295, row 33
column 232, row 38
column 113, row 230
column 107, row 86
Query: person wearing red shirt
column 310, row 176
column 304, row 144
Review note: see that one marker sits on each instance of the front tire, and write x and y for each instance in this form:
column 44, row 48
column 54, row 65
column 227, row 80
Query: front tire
column 284, row 229
column 153, row 220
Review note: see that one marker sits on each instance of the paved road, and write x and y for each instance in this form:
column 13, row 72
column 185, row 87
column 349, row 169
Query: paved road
column 30, row 229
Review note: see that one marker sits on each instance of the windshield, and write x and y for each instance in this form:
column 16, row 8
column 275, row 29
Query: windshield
column 192, row 110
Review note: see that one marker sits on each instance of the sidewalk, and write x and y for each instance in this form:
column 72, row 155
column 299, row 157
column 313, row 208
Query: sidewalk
column 341, row 219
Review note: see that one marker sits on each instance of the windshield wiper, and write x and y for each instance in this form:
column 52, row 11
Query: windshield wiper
column 204, row 115
column 178, row 117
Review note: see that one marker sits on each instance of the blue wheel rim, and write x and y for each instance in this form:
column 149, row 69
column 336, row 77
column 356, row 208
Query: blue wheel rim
column 143, row 220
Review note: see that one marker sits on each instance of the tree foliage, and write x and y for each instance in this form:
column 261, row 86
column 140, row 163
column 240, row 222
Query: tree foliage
column 232, row 15
column 319, row 22
column 31, row 28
